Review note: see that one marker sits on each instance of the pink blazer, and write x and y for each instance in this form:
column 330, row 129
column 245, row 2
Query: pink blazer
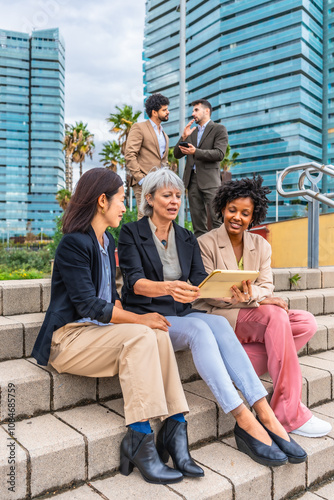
column 217, row 253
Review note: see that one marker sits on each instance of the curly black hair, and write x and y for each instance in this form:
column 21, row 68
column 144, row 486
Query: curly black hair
column 244, row 188
column 155, row 102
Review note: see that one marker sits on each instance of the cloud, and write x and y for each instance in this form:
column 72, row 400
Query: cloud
column 104, row 43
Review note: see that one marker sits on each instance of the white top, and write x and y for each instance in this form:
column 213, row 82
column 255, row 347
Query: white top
column 168, row 254
column 161, row 137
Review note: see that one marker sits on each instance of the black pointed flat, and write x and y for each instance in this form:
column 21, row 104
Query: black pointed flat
column 295, row 453
column 260, row 452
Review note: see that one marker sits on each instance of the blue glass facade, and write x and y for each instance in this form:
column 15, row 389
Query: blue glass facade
column 329, row 87
column 32, row 164
column 261, row 65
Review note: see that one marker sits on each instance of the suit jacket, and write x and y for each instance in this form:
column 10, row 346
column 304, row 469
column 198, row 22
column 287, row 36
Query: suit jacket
column 75, row 285
column 208, row 155
column 139, row 258
column 142, row 151
column 217, row 253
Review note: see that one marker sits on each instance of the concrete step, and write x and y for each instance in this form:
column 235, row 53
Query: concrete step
column 24, row 296
column 317, row 301
column 33, row 296
column 78, row 444
column 309, row 278
column 40, row 390
column 74, row 454
column 18, row 332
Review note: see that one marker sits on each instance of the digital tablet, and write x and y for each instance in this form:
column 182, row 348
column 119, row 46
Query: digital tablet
column 218, row 283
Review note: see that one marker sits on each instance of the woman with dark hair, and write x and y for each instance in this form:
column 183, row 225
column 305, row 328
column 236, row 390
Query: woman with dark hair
column 158, row 258
column 268, row 331
column 87, row 332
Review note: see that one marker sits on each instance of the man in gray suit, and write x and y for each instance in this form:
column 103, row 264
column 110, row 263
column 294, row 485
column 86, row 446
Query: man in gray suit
column 206, row 147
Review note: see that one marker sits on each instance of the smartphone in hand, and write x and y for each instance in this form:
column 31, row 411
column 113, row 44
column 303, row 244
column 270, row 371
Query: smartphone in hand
column 184, row 144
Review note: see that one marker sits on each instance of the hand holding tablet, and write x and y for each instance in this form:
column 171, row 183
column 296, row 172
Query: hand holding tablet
column 219, row 283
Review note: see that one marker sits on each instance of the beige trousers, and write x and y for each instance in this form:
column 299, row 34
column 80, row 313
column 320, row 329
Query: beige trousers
column 137, row 192
column 143, row 358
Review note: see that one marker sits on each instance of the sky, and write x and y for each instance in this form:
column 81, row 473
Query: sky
column 103, row 42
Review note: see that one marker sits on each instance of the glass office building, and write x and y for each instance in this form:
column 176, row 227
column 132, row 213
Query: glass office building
column 32, row 164
column 263, row 66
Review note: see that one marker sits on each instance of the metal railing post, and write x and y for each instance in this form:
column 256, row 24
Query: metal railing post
column 313, row 235
column 314, row 197
column 182, row 115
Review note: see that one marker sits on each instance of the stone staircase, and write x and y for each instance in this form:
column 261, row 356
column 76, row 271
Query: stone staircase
column 67, row 430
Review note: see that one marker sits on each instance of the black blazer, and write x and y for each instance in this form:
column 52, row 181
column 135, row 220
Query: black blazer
column 74, row 287
column 208, row 155
column 139, row 258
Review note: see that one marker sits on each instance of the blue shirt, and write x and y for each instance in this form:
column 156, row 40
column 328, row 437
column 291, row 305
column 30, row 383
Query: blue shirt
column 105, row 285
column 201, row 132
column 199, row 136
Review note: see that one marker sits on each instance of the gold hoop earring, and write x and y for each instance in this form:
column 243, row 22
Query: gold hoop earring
column 102, row 211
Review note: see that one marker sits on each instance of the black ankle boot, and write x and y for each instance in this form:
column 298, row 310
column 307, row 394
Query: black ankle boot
column 173, row 440
column 138, row 449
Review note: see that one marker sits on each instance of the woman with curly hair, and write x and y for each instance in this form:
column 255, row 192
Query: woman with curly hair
column 268, row 331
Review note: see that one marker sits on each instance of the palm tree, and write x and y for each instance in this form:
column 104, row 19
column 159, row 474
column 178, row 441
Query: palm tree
column 121, row 122
column 111, row 155
column 63, row 197
column 229, row 162
column 69, row 143
column 78, row 143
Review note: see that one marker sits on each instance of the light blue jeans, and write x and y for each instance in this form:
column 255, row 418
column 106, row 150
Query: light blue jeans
column 218, row 356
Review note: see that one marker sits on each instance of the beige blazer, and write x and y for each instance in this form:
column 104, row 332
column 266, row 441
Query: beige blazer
column 217, row 253
column 142, row 151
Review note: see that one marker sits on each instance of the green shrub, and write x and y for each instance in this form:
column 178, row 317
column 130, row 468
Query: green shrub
column 21, row 274
column 56, row 237
column 25, row 259
column 127, row 217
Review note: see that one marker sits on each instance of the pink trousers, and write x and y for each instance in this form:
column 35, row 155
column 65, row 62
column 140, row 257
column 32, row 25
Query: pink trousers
column 271, row 337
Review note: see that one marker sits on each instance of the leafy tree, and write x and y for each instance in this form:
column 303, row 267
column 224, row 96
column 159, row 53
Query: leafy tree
column 111, row 155
column 122, row 122
column 63, row 197
column 30, row 236
column 78, row 143
column 56, row 237
column 229, row 161
column 127, row 217
column 172, row 161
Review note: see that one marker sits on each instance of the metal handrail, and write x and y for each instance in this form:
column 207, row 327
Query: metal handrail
column 313, row 196
column 307, row 168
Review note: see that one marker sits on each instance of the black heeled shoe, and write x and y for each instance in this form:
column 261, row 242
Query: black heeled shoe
column 260, row 452
column 173, row 440
column 138, row 449
column 295, row 453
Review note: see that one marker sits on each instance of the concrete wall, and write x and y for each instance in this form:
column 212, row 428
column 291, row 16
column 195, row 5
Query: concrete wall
column 289, row 242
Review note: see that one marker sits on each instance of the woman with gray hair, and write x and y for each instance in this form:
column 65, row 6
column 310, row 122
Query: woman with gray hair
column 158, row 259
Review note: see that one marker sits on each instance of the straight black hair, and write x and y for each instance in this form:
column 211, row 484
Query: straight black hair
column 82, row 206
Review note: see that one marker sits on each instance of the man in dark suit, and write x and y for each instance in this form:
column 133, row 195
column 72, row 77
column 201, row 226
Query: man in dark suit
column 206, row 148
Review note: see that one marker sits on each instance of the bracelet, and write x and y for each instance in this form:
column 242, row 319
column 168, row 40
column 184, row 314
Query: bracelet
column 251, row 299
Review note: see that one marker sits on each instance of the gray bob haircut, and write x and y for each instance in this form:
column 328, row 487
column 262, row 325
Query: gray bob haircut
column 157, row 179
